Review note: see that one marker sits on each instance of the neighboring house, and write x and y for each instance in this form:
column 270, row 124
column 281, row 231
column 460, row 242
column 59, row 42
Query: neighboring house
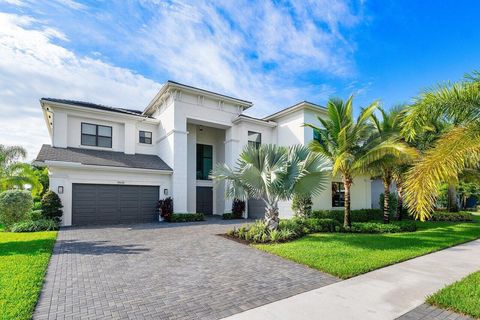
column 111, row 165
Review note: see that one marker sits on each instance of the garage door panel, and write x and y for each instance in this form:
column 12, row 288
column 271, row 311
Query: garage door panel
column 113, row 204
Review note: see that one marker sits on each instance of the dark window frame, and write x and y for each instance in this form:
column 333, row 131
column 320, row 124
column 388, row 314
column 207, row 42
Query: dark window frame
column 256, row 144
column 338, row 196
column 145, row 139
column 203, row 173
column 96, row 135
column 316, row 135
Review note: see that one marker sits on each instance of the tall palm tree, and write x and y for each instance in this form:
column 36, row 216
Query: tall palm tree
column 14, row 174
column 345, row 140
column 273, row 173
column 389, row 167
column 457, row 149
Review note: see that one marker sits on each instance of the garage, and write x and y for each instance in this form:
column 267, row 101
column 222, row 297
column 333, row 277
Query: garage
column 94, row 204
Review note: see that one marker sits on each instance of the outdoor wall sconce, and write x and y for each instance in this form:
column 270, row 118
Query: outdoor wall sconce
column 60, row 189
column 165, row 192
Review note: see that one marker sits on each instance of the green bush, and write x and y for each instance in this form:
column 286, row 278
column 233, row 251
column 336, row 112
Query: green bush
column 392, row 205
column 34, row 226
column 186, row 217
column 322, row 225
column 238, row 208
column 35, row 215
column 378, row 227
column 451, row 216
column 37, row 205
column 361, row 215
column 230, row 216
column 14, row 206
column 52, row 206
column 302, row 205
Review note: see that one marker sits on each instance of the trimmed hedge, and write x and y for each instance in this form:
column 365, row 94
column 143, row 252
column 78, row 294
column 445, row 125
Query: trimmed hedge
column 451, row 216
column 14, row 206
column 186, row 217
column 362, row 215
column 230, row 216
column 378, row 227
column 34, row 226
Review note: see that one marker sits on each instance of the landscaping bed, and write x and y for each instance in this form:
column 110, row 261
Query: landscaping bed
column 347, row 254
column 23, row 262
column 462, row 296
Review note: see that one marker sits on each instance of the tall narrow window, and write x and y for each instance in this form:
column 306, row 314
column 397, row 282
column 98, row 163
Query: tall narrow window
column 254, row 139
column 145, row 137
column 338, row 194
column 316, row 135
column 204, row 161
column 96, row 135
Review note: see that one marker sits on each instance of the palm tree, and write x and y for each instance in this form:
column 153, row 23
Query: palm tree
column 14, row 174
column 273, row 173
column 390, row 167
column 457, row 149
column 348, row 143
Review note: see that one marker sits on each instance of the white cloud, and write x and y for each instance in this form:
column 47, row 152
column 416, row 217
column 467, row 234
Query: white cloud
column 32, row 66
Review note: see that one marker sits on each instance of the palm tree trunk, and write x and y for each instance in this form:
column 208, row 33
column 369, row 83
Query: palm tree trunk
column 387, row 181
column 398, row 213
column 452, row 198
column 347, row 183
column 271, row 217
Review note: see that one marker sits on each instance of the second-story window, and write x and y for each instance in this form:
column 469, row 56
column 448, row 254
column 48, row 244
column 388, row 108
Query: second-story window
column 145, row 137
column 254, row 139
column 96, row 135
column 204, row 161
column 316, row 135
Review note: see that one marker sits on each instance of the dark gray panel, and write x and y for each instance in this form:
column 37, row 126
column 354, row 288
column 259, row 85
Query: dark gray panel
column 205, row 200
column 113, row 204
column 256, row 209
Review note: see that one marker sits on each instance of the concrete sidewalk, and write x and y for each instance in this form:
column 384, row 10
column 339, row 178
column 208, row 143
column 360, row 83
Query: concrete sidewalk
column 385, row 293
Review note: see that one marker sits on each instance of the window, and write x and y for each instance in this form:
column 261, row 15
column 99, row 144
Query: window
column 254, row 139
column 316, row 135
column 96, row 135
column 338, row 194
column 204, row 161
column 145, row 137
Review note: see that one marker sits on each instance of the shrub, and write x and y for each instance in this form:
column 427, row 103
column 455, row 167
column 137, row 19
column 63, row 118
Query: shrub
column 393, row 203
column 52, row 206
column 230, row 216
column 302, row 205
column 295, row 225
column 165, row 208
column 14, row 206
column 35, row 215
column 361, row 215
column 322, row 225
column 451, row 216
column 238, row 208
column 34, row 226
column 37, row 205
column 186, row 217
column 378, row 227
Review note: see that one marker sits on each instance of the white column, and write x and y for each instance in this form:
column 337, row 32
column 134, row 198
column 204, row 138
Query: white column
column 130, row 137
column 232, row 151
column 60, row 127
column 180, row 169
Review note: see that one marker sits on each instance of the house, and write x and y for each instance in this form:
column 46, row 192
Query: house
column 111, row 165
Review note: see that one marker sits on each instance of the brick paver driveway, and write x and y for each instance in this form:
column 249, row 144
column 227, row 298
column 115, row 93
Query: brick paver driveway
column 159, row 271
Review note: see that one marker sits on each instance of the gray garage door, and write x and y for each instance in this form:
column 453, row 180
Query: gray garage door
column 113, row 204
column 256, row 209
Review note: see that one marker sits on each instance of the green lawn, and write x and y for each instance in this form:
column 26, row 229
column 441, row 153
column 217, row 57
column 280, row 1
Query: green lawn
column 23, row 261
column 346, row 255
column 462, row 296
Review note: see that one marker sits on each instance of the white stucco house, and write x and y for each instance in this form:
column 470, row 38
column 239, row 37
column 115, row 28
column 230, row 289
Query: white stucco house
column 111, row 165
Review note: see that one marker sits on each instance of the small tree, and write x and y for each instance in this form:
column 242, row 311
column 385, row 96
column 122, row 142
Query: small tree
column 238, row 208
column 302, row 205
column 14, row 206
column 52, row 206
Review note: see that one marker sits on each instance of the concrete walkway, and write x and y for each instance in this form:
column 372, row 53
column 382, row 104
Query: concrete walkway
column 386, row 293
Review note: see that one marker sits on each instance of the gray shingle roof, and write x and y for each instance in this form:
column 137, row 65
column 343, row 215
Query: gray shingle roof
column 101, row 158
column 95, row 106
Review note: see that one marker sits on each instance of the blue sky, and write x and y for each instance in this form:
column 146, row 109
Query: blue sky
column 271, row 53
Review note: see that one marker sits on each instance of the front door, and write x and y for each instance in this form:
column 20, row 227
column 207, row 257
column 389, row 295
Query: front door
column 205, row 200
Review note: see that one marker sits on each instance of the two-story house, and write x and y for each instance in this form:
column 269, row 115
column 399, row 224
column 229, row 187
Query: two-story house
column 111, row 165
